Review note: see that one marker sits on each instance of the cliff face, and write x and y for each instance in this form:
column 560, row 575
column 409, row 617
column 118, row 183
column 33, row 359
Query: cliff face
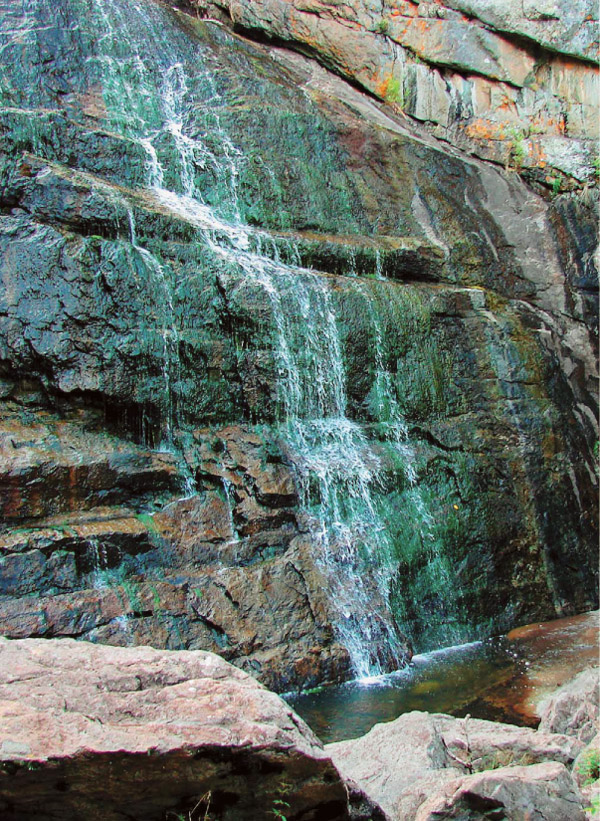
column 516, row 84
column 283, row 376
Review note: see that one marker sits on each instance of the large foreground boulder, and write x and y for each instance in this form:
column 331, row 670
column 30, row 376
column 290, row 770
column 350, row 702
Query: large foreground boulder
column 90, row 732
column 404, row 762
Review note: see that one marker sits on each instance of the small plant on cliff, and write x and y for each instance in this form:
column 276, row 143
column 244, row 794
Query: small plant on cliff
column 383, row 26
column 517, row 150
column 198, row 813
column 393, row 92
column 277, row 810
column 280, row 805
column 556, row 186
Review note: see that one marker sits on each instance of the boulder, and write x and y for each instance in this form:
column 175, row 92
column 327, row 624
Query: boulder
column 89, row 731
column 574, row 708
column 399, row 762
column 537, row 792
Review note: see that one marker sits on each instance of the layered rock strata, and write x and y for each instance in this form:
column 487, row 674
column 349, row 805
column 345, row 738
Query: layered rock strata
column 283, row 377
column 517, row 85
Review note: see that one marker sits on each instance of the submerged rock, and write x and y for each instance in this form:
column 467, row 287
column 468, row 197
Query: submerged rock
column 97, row 732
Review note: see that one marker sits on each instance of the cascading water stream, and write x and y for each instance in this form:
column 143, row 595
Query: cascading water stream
column 394, row 430
column 337, row 470
column 164, row 99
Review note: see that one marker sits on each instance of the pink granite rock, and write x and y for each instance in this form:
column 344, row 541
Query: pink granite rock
column 90, row 732
column 534, row 793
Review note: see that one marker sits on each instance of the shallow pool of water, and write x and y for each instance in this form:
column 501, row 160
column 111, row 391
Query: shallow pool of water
column 499, row 679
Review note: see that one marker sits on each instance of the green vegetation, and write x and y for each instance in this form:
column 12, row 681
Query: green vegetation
column 147, row 520
column 594, row 807
column 280, row 805
column 131, row 595
column 517, row 149
column 383, row 26
column 393, row 93
column 556, row 186
column 589, row 766
column 277, row 811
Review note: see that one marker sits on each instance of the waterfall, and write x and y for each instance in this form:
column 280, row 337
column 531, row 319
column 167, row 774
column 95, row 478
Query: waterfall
column 164, row 99
column 337, row 469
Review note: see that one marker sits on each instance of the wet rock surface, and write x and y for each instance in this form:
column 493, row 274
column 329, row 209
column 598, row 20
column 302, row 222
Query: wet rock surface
column 136, row 733
column 171, row 420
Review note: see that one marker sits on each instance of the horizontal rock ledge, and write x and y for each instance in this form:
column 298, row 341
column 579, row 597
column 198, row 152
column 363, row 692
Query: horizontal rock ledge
column 91, row 205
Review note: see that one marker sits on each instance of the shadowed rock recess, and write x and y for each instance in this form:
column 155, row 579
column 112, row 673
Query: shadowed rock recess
column 283, row 376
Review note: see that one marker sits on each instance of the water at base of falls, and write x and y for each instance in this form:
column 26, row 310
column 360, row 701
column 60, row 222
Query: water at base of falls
column 500, row 679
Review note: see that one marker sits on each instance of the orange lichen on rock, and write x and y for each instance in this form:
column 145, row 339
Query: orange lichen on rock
column 381, row 86
column 537, row 156
column 483, row 129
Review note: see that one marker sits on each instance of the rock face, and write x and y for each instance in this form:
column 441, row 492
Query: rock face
column 402, row 762
column 282, row 376
column 512, row 83
column 575, row 707
column 89, row 732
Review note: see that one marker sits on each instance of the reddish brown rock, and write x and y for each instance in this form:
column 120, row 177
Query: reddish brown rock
column 224, row 569
column 88, row 731
column 477, row 74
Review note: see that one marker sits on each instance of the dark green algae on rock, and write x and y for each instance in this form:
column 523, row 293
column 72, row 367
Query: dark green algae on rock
column 281, row 377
